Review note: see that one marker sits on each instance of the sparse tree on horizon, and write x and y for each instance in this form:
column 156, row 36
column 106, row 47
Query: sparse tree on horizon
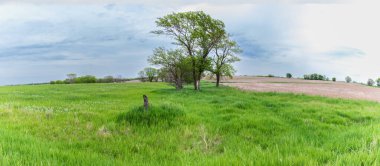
column 289, row 75
column 348, row 79
column 370, row 82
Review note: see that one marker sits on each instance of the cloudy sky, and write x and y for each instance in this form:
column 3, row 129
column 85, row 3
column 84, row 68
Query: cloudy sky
column 43, row 40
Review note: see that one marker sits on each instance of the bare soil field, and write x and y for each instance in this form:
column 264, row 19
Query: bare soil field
column 300, row 86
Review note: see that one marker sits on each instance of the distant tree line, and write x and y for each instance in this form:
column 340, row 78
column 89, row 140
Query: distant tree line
column 315, row 76
column 73, row 79
column 370, row 82
column 203, row 47
column 348, row 79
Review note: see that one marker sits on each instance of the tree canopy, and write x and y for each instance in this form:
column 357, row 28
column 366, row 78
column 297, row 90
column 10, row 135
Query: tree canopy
column 173, row 62
column 197, row 33
column 224, row 55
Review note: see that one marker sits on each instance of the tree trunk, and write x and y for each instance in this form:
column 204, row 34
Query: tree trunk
column 199, row 79
column 178, row 83
column 195, row 78
column 146, row 102
column 217, row 79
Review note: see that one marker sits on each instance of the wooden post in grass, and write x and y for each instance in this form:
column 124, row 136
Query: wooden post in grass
column 146, row 102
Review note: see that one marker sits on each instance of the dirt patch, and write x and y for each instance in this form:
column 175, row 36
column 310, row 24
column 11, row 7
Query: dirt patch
column 311, row 87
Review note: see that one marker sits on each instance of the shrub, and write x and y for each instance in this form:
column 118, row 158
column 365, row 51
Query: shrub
column 289, row 75
column 348, row 79
column 108, row 79
column 378, row 82
column 334, row 79
column 57, row 82
column 370, row 82
column 162, row 114
column 270, row 75
column 85, row 79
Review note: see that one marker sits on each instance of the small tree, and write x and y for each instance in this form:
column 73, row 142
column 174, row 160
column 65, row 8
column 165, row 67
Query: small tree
column 108, row 79
column 289, row 75
column 334, row 79
column 151, row 73
column 223, row 58
column 71, row 77
column 142, row 76
column 348, row 79
column 148, row 74
column 378, row 82
column 370, row 82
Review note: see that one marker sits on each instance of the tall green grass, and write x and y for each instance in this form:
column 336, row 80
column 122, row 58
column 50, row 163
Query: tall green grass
column 104, row 124
column 164, row 114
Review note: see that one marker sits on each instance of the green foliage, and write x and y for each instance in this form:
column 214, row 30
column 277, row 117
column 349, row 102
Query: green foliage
column 225, row 55
column 370, row 82
column 270, row 75
column 315, row 76
column 378, row 82
column 57, row 82
column 148, row 74
column 107, row 79
column 164, row 114
column 142, row 76
column 334, row 79
column 197, row 33
column 85, row 79
column 71, row 78
column 175, row 66
column 289, row 75
column 348, row 79
column 78, row 125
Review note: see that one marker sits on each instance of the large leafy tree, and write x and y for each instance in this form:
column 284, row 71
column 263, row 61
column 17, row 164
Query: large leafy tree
column 197, row 33
column 173, row 63
column 225, row 55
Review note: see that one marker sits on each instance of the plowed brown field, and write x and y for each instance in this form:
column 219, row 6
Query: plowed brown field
column 311, row 87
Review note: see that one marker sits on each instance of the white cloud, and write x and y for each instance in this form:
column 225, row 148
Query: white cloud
column 327, row 27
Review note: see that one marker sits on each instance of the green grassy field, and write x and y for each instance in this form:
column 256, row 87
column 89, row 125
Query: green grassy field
column 100, row 124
